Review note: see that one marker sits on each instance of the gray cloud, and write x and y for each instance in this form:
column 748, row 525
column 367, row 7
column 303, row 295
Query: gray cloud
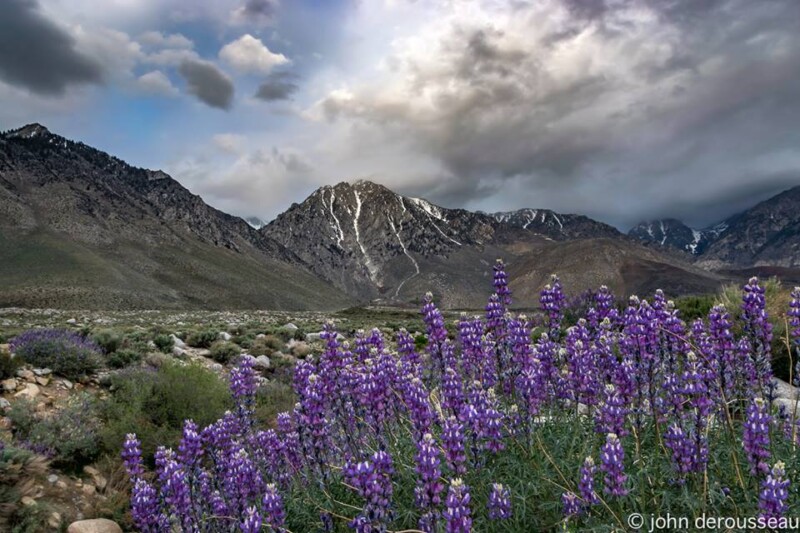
column 623, row 109
column 37, row 54
column 256, row 12
column 277, row 86
column 208, row 83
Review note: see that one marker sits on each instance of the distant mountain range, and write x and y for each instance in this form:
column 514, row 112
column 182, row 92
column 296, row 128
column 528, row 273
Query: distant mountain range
column 767, row 234
column 82, row 229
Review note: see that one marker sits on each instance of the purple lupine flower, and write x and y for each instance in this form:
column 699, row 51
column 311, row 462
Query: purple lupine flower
column 582, row 365
column 429, row 486
column 469, row 333
column 251, row 522
column 407, row 350
column 774, row 493
column 604, row 304
column 571, row 503
column 132, row 457
column 457, row 517
column 611, row 414
column 415, row 397
column 612, row 456
column 494, row 313
column 243, row 385
column 682, row 450
column 756, row 436
column 453, row 444
column 493, row 424
column 190, row 449
column 586, row 482
column 314, row 424
column 145, row 509
column 499, row 503
column 274, row 513
column 501, row 283
column 758, row 329
column 372, row 479
column 437, row 333
column 176, row 492
column 452, row 392
column 552, row 300
column 794, row 315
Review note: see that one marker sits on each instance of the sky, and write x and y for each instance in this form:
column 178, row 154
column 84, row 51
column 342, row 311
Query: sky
column 622, row 110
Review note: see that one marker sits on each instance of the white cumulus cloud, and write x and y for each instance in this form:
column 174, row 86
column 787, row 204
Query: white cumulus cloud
column 249, row 55
column 157, row 83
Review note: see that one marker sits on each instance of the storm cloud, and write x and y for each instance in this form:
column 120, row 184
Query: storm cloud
column 277, row 86
column 39, row 55
column 582, row 105
column 208, row 83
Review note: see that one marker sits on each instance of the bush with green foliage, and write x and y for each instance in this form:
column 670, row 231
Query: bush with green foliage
column 164, row 343
column 20, row 471
column 201, row 339
column 64, row 352
column 124, row 357
column 108, row 339
column 224, row 352
column 69, row 436
column 266, row 345
column 692, row 307
column 156, row 402
column 9, row 365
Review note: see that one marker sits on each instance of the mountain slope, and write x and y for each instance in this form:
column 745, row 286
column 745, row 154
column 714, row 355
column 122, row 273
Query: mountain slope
column 376, row 244
column 767, row 234
column 81, row 228
column 556, row 226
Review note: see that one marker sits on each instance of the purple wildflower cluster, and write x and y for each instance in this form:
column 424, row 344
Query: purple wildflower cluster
column 465, row 400
column 64, row 352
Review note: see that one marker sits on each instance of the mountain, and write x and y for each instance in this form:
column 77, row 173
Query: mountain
column 556, row 226
column 255, row 222
column 375, row 244
column 81, row 228
column 370, row 242
column 766, row 235
column 673, row 233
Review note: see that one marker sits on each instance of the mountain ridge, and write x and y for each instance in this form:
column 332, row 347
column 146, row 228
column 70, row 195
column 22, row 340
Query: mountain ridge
column 78, row 225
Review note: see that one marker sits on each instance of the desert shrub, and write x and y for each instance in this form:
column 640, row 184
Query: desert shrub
column 124, row 357
column 692, row 307
column 9, row 365
column 301, row 350
column 64, row 352
column 164, row 343
column 32, row 519
column 154, row 404
column 108, row 339
column 266, row 345
column 201, row 339
column 20, row 471
column 244, row 342
column 271, row 341
column 224, row 351
column 68, row 435
column 272, row 398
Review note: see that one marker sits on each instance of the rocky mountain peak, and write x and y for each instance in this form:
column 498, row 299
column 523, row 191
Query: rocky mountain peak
column 29, row 131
